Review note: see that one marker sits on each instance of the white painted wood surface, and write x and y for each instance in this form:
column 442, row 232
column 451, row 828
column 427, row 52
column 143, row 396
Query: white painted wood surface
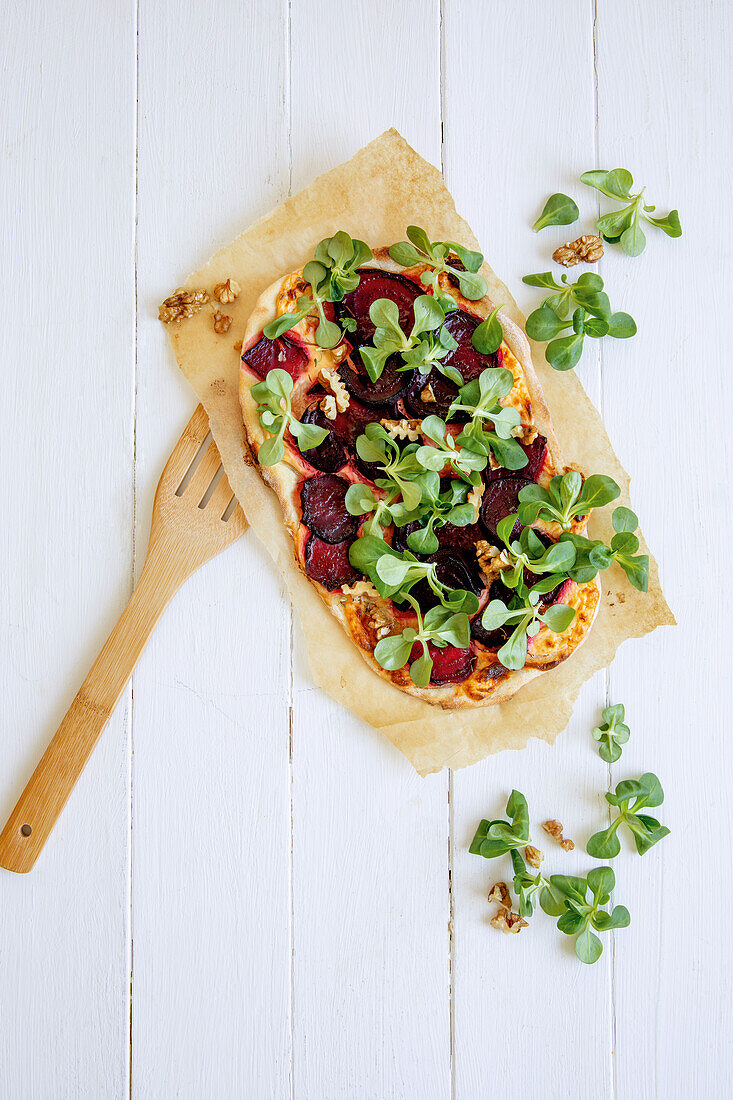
column 251, row 894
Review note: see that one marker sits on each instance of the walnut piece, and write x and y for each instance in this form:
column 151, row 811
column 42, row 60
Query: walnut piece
column 402, row 429
column 238, row 345
column 525, row 433
column 182, row 304
column 585, row 250
column 331, row 379
column 500, row 894
column 359, row 589
column 427, row 396
column 222, row 323
column 533, row 856
column 474, row 498
column 328, row 404
column 227, row 291
column 491, row 559
column 554, row 828
column 506, row 922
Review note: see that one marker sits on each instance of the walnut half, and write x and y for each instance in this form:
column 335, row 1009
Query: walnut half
column 182, row 304
column 586, row 250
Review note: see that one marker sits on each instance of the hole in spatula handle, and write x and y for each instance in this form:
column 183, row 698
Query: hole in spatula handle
column 25, row 830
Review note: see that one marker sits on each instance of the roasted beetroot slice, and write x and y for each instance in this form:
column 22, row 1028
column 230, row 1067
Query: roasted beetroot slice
column 501, row 498
column 324, row 511
column 460, row 538
column 465, row 358
column 450, row 665
column 350, row 424
column 375, row 284
column 328, row 563
column 332, row 454
column 387, row 388
column 455, row 569
column 535, row 452
column 444, row 392
column 268, row 354
column 399, row 537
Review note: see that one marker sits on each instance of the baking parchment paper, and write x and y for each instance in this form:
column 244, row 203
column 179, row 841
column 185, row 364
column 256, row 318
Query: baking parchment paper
column 385, row 187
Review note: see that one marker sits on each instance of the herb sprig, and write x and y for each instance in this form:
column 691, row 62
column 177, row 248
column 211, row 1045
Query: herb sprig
column 332, row 274
column 591, row 317
column 566, row 497
column 524, row 613
column 435, row 509
column 399, row 466
column 612, row 733
column 439, row 626
column 581, row 916
column 497, row 837
column 490, row 427
column 273, row 397
column 647, row 831
column 623, row 225
column 436, row 254
column 529, row 552
column 463, row 460
column 532, row 889
column 427, row 343
column 591, row 555
column 394, row 574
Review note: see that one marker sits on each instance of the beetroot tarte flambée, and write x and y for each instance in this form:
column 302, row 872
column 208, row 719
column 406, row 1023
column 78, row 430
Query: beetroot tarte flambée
column 399, row 419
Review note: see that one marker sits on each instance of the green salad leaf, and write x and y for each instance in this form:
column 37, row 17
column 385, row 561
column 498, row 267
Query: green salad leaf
column 273, row 397
column 438, row 255
column 427, row 343
column 632, row 795
column 567, row 497
column 558, row 210
column 623, row 225
column 580, row 915
column 439, row 626
column 612, row 734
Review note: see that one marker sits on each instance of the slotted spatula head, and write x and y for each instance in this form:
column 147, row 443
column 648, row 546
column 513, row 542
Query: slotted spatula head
column 194, row 506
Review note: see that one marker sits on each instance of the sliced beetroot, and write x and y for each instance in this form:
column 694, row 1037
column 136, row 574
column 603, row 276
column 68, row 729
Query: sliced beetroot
column 324, row 510
column 536, row 452
column 328, row 563
column 501, row 498
column 400, row 534
column 391, row 383
column 268, row 354
column 460, row 538
column 332, row 454
column 444, row 394
column 375, row 284
column 450, row 664
column 455, row 569
column 350, row 424
column 465, row 358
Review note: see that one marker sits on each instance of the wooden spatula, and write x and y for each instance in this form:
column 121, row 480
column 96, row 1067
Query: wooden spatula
column 195, row 517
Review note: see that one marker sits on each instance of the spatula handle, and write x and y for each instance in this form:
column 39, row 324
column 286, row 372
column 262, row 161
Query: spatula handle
column 40, row 805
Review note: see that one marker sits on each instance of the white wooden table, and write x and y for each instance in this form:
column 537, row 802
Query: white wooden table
column 252, row 894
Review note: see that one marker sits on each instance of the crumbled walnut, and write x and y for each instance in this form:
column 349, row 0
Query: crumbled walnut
column 586, row 249
column 525, row 433
column 500, row 894
column 506, row 922
column 331, row 379
column 227, row 291
column 359, row 589
column 182, row 304
column 533, row 856
column 328, row 404
column 402, row 429
column 238, row 345
column 491, row 559
column 340, row 352
column 554, row 828
column 474, row 498
column 427, row 396
column 222, row 323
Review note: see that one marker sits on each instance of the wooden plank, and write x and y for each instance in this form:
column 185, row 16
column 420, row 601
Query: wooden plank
column 211, row 902
column 370, row 876
column 525, row 1011
column 665, row 96
column 67, row 199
